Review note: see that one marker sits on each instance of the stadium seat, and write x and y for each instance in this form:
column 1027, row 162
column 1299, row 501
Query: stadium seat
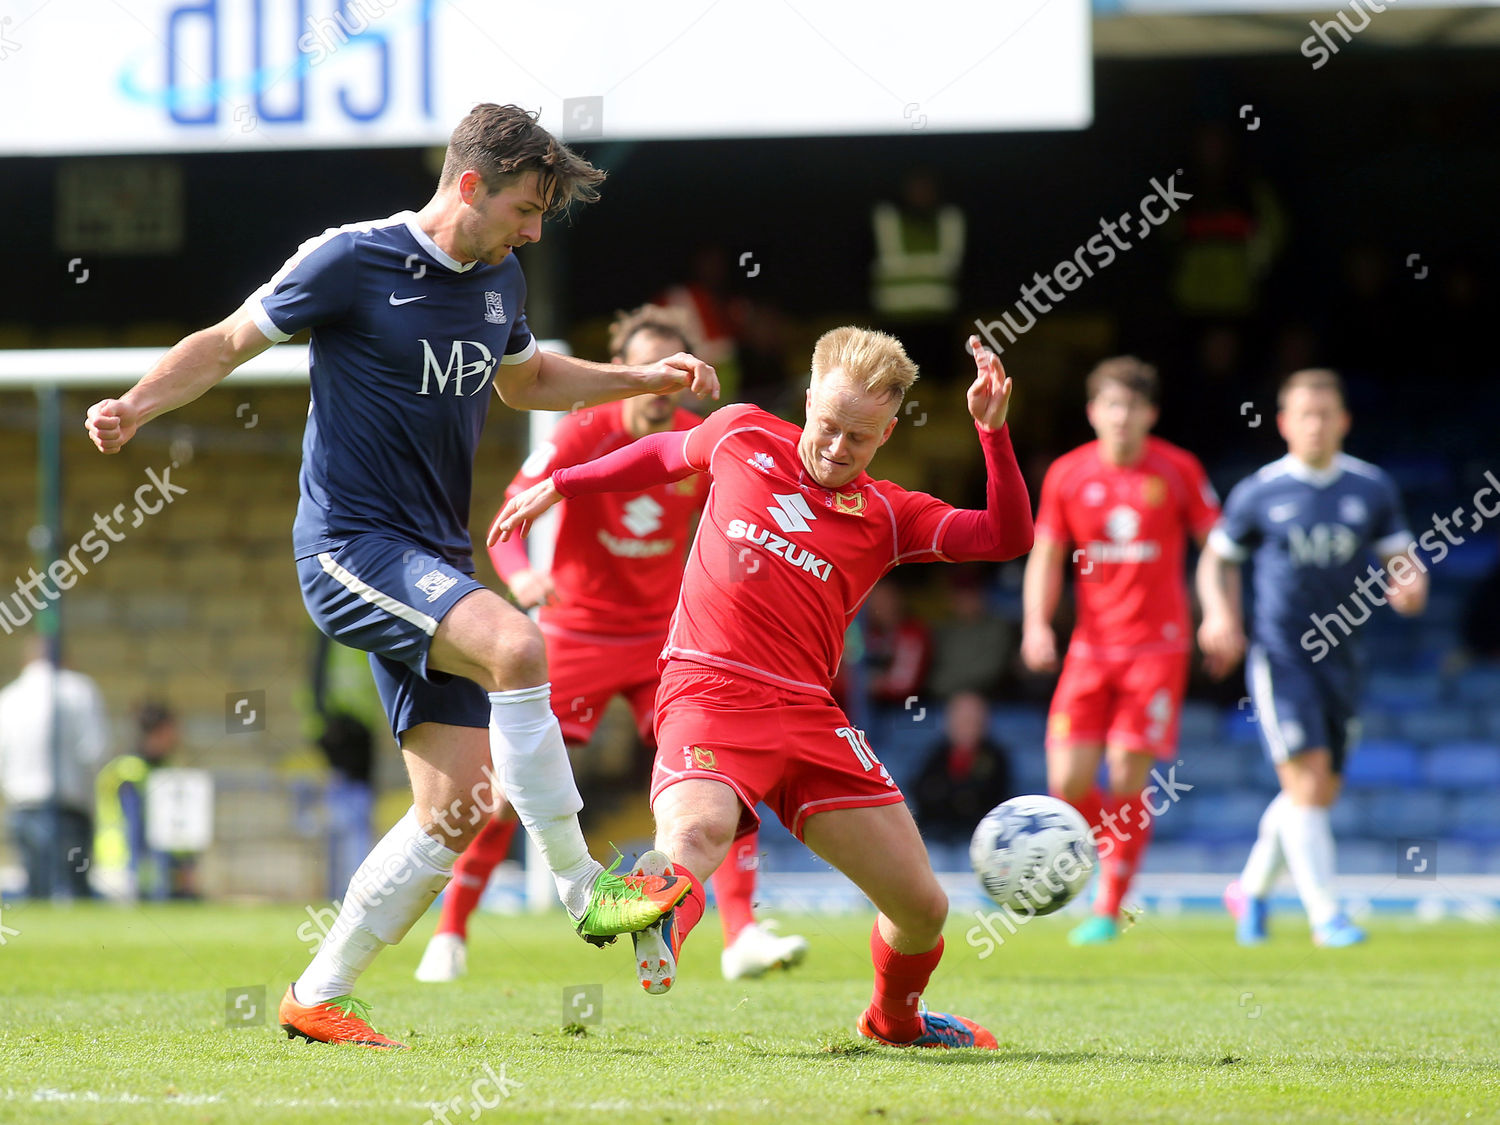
column 1199, row 722
column 1238, row 726
column 1464, row 765
column 1405, row 691
column 1020, row 727
column 1473, row 558
column 1383, row 762
column 1488, row 721
column 1219, row 817
column 1210, row 764
column 1366, row 856
column 1459, row 857
column 1421, row 813
column 1479, row 684
column 1179, row 859
column 1028, row 770
column 1376, row 722
column 1350, row 815
column 1476, row 818
column 1443, row 723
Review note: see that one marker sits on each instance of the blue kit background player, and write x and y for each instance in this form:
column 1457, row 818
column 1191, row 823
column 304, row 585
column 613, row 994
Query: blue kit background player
column 1309, row 522
column 415, row 321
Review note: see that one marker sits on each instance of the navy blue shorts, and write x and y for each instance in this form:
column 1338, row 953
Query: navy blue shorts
column 1302, row 707
column 386, row 597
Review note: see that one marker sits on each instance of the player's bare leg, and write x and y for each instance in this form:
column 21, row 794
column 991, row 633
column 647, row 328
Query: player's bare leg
column 396, row 883
column 489, row 641
column 882, row 852
column 1311, row 787
column 695, row 823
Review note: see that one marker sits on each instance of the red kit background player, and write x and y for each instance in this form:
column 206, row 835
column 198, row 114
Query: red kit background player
column 605, row 605
column 1120, row 509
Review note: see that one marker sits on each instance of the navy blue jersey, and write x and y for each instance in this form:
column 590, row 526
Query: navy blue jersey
column 405, row 342
column 1311, row 535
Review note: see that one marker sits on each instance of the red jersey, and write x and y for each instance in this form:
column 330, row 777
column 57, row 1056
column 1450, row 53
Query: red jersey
column 780, row 564
column 617, row 563
column 1127, row 529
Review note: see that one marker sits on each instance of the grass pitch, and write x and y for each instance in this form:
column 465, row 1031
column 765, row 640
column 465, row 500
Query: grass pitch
column 119, row 1016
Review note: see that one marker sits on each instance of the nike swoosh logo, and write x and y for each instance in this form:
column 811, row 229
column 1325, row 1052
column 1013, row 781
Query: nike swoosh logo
column 406, row 300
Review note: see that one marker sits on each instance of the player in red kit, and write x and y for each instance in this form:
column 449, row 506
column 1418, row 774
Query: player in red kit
column 1121, row 509
column 794, row 535
column 605, row 606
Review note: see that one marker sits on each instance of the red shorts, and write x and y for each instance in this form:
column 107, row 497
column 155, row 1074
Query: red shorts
column 796, row 752
column 1134, row 703
column 588, row 671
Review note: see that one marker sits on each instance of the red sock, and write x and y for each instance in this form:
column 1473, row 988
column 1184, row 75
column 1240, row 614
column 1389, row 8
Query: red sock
column 1090, row 806
column 1130, row 833
column 899, row 981
column 690, row 909
column 734, row 884
column 471, row 873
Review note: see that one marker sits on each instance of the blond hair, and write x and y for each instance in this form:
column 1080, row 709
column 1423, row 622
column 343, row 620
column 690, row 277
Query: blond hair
column 873, row 361
column 657, row 320
column 1314, row 379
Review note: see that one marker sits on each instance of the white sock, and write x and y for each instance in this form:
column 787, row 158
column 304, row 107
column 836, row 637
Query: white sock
column 1307, row 840
column 531, row 760
column 395, row 884
column 1266, row 858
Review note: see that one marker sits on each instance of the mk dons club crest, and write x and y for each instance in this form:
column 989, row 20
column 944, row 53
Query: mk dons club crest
column 703, row 758
column 849, row 503
column 1153, row 491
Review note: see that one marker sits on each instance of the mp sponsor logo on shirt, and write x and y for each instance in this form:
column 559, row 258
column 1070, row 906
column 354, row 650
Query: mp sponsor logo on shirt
column 1321, row 545
column 466, row 360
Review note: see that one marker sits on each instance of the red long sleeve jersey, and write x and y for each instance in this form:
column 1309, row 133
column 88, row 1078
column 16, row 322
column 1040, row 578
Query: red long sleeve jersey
column 617, row 563
column 780, row 564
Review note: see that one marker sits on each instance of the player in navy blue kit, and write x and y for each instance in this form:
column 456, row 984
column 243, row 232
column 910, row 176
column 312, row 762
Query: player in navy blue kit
column 414, row 319
column 1309, row 522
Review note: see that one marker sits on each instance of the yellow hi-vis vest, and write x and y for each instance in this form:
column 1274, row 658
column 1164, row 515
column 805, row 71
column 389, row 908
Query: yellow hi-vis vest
column 917, row 261
column 111, row 837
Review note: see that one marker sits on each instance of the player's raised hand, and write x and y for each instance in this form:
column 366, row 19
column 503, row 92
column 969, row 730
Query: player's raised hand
column 682, row 371
column 111, row 423
column 532, row 588
column 521, row 510
column 1223, row 643
column 989, row 393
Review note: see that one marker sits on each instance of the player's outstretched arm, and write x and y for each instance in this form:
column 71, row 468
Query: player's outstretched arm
column 194, row 365
column 652, row 460
column 549, row 381
column 1221, row 635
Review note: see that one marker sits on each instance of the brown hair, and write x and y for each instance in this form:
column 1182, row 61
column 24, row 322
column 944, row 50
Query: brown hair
column 504, row 142
column 1313, row 378
column 653, row 319
column 1129, row 372
column 873, row 361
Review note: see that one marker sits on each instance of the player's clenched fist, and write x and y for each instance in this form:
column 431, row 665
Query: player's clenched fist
column 521, row 509
column 1223, row 644
column 110, row 424
column 989, row 394
column 681, row 372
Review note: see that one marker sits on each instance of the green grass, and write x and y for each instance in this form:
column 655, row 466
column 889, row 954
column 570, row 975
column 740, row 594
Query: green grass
column 117, row 1015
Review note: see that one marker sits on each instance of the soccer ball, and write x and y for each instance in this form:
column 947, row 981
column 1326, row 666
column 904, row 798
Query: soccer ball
column 1032, row 854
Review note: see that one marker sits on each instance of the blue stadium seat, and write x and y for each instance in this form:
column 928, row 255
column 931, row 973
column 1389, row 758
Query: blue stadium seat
column 1350, row 815
column 1021, row 728
column 1365, row 856
column 1238, row 726
column 1199, row 722
column 1421, row 813
column 1383, row 762
column 1459, row 857
column 1476, row 818
column 1377, row 722
column 1028, row 770
column 1178, row 859
column 1220, row 817
column 1487, row 720
column 1489, row 858
column 1211, row 765
column 1404, row 691
column 1443, row 723
column 1473, row 558
column 1479, row 684
column 1464, row 765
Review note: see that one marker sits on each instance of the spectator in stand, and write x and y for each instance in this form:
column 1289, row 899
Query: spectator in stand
column 49, row 802
column 897, row 649
column 967, row 773
column 974, row 646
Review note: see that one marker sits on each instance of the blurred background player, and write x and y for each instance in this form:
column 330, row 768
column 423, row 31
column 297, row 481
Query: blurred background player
column 381, row 539
column 121, row 841
column 744, row 712
column 1309, row 523
column 605, row 607
column 1121, row 507
column 49, row 706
